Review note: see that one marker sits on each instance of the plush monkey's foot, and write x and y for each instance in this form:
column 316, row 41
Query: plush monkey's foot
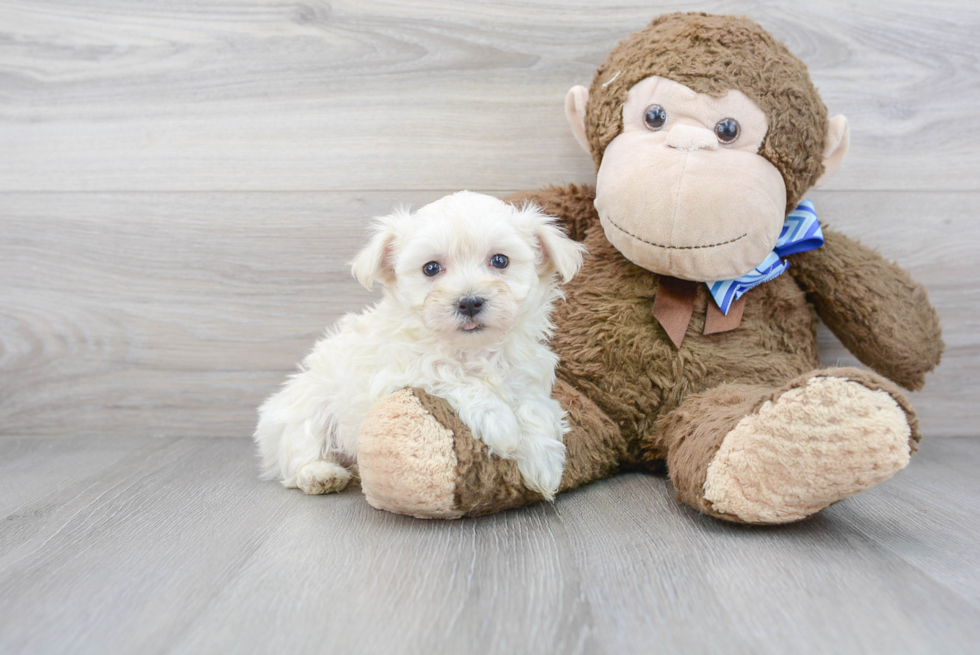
column 827, row 439
column 417, row 457
column 322, row 477
column 407, row 459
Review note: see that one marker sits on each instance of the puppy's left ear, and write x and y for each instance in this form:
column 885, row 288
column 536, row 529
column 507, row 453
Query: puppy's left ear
column 559, row 253
column 375, row 261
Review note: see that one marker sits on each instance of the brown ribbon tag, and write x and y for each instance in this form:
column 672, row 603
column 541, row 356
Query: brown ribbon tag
column 716, row 322
column 674, row 306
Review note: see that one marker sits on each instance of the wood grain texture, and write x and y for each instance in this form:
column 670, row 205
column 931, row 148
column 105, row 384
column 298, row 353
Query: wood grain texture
column 112, row 95
column 175, row 314
column 176, row 547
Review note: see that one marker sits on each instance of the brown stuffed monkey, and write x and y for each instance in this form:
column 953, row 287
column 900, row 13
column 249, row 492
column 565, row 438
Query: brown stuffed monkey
column 706, row 132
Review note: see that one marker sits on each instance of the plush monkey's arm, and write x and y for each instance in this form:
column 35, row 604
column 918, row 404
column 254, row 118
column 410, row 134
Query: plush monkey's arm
column 572, row 204
column 873, row 306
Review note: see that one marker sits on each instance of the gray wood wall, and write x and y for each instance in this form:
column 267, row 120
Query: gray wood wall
column 181, row 183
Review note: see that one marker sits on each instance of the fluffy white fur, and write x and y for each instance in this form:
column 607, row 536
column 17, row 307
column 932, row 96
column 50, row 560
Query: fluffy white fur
column 494, row 368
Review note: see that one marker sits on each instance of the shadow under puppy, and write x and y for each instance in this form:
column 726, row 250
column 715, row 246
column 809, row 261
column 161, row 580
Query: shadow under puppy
column 469, row 282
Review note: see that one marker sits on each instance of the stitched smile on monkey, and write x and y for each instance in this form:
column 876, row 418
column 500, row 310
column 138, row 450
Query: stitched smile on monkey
column 682, row 190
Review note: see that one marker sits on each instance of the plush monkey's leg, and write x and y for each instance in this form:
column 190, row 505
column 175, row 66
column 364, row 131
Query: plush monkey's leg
column 416, row 457
column 753, row 454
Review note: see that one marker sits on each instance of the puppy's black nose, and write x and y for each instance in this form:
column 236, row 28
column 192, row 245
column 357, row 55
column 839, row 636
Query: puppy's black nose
column 470, row 306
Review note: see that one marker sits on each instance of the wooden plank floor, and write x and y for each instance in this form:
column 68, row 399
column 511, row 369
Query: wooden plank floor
column 143, row 545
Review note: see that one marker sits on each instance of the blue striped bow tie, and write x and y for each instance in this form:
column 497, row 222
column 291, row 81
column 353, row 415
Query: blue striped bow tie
column 801, row 232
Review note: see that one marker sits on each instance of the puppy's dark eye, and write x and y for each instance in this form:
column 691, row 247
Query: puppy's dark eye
column 654, row 117
column 499, row 261
column 727, row 130
column 432, row 268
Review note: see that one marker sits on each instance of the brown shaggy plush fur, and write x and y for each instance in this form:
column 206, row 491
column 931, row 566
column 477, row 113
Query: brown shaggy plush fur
column 615, row 352
column 711, row 54
column 634, row 399
column 874, row 307
column 696, row 429
column 485, row 484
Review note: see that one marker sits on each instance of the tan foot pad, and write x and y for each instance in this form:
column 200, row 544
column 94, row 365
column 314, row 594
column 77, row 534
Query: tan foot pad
column 407, row 459
column 812, row 446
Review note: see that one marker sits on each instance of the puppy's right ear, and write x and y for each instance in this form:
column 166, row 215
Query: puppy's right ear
column 375, row 261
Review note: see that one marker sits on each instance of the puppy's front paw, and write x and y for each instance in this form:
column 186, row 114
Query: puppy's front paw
column 322, row 477
column 541, row 465
column 497, row 427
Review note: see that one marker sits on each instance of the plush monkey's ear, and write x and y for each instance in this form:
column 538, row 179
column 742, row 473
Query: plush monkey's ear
column 375, row 261
column 559, row 253
column 838, row 141
column 575, row 104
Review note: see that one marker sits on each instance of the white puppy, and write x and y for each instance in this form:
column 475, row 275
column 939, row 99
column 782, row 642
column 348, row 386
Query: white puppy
column 469, row 282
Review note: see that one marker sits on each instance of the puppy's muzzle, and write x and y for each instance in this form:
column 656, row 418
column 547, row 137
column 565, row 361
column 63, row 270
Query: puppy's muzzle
column 470, row 306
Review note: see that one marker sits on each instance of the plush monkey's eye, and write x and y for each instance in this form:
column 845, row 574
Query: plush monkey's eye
column 432, row 268
column 727, row 130
column 654, row 117
column 499, row 261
